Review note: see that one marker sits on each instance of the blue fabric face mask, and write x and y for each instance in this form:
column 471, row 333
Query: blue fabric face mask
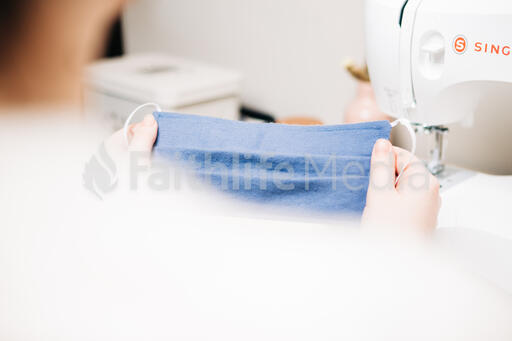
column 315, row 168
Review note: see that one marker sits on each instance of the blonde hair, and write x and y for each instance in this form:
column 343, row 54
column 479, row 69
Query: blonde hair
column 358, row 72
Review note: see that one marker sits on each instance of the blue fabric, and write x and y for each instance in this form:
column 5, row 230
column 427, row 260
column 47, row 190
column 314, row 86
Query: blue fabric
column 313, row 168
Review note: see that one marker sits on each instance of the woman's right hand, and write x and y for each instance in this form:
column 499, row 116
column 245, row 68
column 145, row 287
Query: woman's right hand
column 411, row 204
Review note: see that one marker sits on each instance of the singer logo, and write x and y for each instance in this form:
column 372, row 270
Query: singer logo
column 460, row 44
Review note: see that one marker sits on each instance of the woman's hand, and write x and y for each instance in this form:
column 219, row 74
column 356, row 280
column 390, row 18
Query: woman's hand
column 412, row 204
column 141, row 136
column 113, row 162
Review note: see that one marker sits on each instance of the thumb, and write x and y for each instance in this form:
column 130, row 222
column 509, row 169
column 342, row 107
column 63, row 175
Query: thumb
column 383, row 170
column 143, row 135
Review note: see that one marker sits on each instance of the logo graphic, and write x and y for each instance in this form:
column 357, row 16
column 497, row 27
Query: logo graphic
column 100, row 174
column 460, row 44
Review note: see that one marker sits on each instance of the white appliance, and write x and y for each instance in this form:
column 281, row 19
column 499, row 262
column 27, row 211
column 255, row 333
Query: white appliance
column 433, row 62
column 117, row 86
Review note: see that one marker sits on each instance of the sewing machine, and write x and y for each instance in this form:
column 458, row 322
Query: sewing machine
column 433, row 62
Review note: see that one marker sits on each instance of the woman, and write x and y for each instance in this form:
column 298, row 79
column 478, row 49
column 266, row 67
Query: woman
column 146, row 265
column 47, row 47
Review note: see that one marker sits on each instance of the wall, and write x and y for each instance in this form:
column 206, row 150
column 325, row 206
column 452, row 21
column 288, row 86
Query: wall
column 290, row 51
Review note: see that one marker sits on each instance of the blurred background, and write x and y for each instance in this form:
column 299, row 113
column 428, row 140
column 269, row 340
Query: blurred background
column 290, row 52
column 276, row 60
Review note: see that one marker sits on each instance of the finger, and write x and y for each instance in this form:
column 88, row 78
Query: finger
column 382, row 173
column 143, row 135
column 403, row 159
column 415, row 177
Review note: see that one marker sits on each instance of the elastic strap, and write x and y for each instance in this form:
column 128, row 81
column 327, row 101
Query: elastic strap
column 130, row 118
column 407, row 124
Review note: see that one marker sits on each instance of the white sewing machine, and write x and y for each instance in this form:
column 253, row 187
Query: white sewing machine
column 433, row 62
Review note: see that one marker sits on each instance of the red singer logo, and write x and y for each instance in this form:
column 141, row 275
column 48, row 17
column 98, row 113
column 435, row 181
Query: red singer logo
column 460, row 44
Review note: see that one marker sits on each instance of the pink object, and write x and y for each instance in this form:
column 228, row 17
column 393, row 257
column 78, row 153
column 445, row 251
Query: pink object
column 364, row 107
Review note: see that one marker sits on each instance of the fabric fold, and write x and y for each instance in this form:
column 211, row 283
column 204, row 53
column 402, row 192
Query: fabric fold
column 316, row 168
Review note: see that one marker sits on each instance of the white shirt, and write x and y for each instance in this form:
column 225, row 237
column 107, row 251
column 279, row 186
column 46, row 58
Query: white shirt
column 185, row 265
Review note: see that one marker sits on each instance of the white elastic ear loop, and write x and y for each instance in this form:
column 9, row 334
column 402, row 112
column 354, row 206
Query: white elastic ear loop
column 130, row 118
column 406, row 123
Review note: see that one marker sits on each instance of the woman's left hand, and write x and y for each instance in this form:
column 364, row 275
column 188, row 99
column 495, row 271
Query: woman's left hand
column 411, row 205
